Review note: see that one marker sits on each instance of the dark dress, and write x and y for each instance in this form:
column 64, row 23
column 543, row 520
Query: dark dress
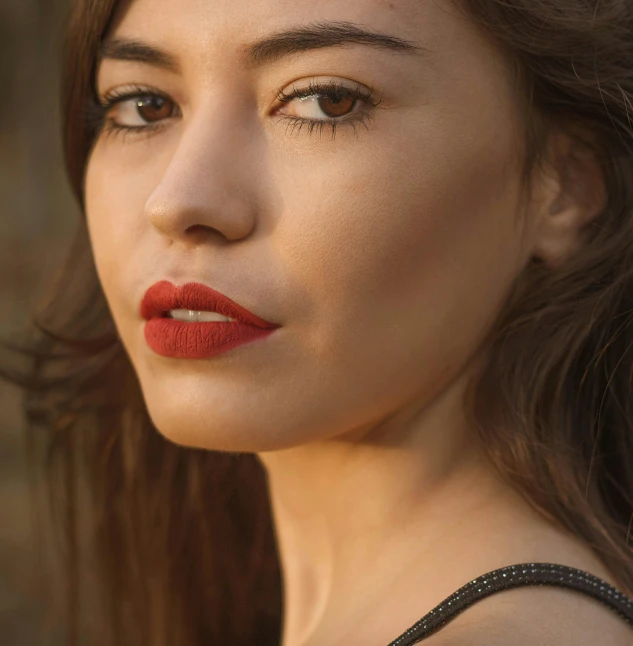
column 515, row 576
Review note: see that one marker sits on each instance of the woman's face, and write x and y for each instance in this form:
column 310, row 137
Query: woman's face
column 383, row 253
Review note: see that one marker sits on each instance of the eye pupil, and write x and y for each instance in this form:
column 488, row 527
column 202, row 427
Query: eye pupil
column 153, row 108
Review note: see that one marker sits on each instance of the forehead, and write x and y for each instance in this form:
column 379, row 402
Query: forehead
column 242, row 17
column 207, row 30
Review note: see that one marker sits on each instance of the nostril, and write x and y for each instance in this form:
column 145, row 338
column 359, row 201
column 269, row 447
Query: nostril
column 200, row 228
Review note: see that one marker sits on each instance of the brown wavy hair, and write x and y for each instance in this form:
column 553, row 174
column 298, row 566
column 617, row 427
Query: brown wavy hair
column 177, row 546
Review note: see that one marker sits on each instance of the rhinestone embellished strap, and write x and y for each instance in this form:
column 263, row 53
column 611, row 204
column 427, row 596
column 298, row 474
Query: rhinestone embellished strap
column 516, row 576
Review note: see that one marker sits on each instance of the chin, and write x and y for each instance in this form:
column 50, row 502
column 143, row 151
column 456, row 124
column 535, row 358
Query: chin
column 216, row 412
column 211, row 430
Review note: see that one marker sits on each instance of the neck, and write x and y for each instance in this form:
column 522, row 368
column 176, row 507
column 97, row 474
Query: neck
column 359, row 512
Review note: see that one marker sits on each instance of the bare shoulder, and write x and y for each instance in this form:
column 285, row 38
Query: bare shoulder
column 536, row 615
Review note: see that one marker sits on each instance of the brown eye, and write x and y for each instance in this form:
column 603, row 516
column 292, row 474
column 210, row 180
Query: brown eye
column 336, row 106
column 154, row 108
column 140, row 110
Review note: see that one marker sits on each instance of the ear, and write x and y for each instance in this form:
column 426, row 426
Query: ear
column 573, row 194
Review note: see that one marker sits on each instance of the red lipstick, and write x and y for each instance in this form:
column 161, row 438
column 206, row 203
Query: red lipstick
column 199, row 340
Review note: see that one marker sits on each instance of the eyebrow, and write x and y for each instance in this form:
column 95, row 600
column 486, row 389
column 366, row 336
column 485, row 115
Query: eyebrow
column 270, row 49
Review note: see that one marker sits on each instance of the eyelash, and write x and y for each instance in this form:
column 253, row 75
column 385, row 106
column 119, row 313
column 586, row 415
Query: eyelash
column 99, row 123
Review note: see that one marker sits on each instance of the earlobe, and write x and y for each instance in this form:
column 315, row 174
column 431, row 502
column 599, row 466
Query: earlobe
column 573, row 199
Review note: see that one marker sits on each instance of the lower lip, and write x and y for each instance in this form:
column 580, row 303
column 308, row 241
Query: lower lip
column 181, row 340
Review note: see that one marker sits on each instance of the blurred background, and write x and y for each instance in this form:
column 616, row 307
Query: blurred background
column 38, row 218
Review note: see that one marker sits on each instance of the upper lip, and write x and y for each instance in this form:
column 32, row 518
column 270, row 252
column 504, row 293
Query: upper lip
column 164, row 296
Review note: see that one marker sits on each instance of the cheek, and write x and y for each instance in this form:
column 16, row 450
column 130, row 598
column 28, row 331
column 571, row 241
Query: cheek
column 408, row 252
column 118, row 184
column 115, row 195
column 102, row 226
column 114, row 199
column 428, row 214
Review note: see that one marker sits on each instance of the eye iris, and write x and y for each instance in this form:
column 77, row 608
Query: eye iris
column 153, row 108
column 342, row 105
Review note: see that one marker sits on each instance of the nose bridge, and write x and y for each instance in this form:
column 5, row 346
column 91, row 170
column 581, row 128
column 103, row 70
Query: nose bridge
column 206, row 180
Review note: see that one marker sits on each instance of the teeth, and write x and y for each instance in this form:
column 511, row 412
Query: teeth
column 191, row 316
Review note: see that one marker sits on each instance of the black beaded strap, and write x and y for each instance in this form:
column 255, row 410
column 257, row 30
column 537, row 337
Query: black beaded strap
column 516, row 576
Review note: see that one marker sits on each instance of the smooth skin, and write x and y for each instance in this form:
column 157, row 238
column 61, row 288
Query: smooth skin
column 385, row 254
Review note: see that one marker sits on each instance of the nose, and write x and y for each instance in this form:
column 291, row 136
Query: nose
column 207, row 185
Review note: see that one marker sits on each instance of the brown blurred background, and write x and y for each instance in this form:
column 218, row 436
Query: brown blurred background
column 38, row 218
